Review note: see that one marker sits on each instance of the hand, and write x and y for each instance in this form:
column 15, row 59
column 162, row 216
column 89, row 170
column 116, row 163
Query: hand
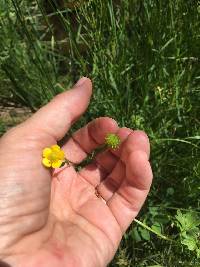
column 57, row 219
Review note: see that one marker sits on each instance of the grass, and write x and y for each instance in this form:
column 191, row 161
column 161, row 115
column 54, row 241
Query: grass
column 143, row 58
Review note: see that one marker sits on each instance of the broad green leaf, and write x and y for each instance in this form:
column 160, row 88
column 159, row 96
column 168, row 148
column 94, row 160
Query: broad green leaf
column 187, row 221
column 145, row 234
column 190, row 243
column 135, row 235
column 157, row 227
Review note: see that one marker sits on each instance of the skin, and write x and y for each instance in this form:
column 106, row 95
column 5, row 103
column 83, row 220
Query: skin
column 64, row 218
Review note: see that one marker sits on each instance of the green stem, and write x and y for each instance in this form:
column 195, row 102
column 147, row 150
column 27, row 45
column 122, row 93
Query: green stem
column 153, row 231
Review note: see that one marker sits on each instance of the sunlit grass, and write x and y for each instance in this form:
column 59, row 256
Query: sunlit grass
column 143, row 58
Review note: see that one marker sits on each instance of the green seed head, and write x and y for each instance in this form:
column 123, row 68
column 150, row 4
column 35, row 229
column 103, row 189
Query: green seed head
column 112, row 141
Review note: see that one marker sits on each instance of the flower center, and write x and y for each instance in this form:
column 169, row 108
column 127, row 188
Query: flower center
column 53, row 156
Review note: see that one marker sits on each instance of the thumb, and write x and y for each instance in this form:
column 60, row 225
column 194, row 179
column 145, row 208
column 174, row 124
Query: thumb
column 57, row 116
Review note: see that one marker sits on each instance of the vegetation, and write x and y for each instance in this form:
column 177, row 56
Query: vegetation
column 143, row 58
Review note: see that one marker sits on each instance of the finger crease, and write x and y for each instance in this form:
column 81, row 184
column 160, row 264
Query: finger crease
column 111, row 182
column 126, row 202
column 79, row 145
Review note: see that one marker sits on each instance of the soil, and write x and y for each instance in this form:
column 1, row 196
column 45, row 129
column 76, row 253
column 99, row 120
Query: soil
column 11, row 116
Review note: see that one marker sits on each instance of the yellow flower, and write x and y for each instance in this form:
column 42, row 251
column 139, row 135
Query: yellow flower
column 53, row 156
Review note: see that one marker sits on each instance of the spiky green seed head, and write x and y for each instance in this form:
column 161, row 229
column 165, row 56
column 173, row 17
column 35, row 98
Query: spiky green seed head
column 112, row 141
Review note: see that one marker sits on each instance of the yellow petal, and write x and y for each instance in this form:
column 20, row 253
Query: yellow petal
column 61, row 154
column 46, row 162
column 57, row 164
column 46, row 152
column 55, row 148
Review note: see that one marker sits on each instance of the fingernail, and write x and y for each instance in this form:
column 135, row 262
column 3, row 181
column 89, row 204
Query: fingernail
column 81, row 81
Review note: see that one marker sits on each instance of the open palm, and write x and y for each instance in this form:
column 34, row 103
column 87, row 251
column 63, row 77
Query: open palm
column 68, row 218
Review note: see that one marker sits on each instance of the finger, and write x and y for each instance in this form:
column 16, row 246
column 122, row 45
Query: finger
column 112, row 182
column 88, row 138
column 93, row 174
column 56, row 117
column 137, row 140
column 104, row 163
column 109, row 158
column 106, row 160
column 99, row 169
column 130, row 141
column 127, row 201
